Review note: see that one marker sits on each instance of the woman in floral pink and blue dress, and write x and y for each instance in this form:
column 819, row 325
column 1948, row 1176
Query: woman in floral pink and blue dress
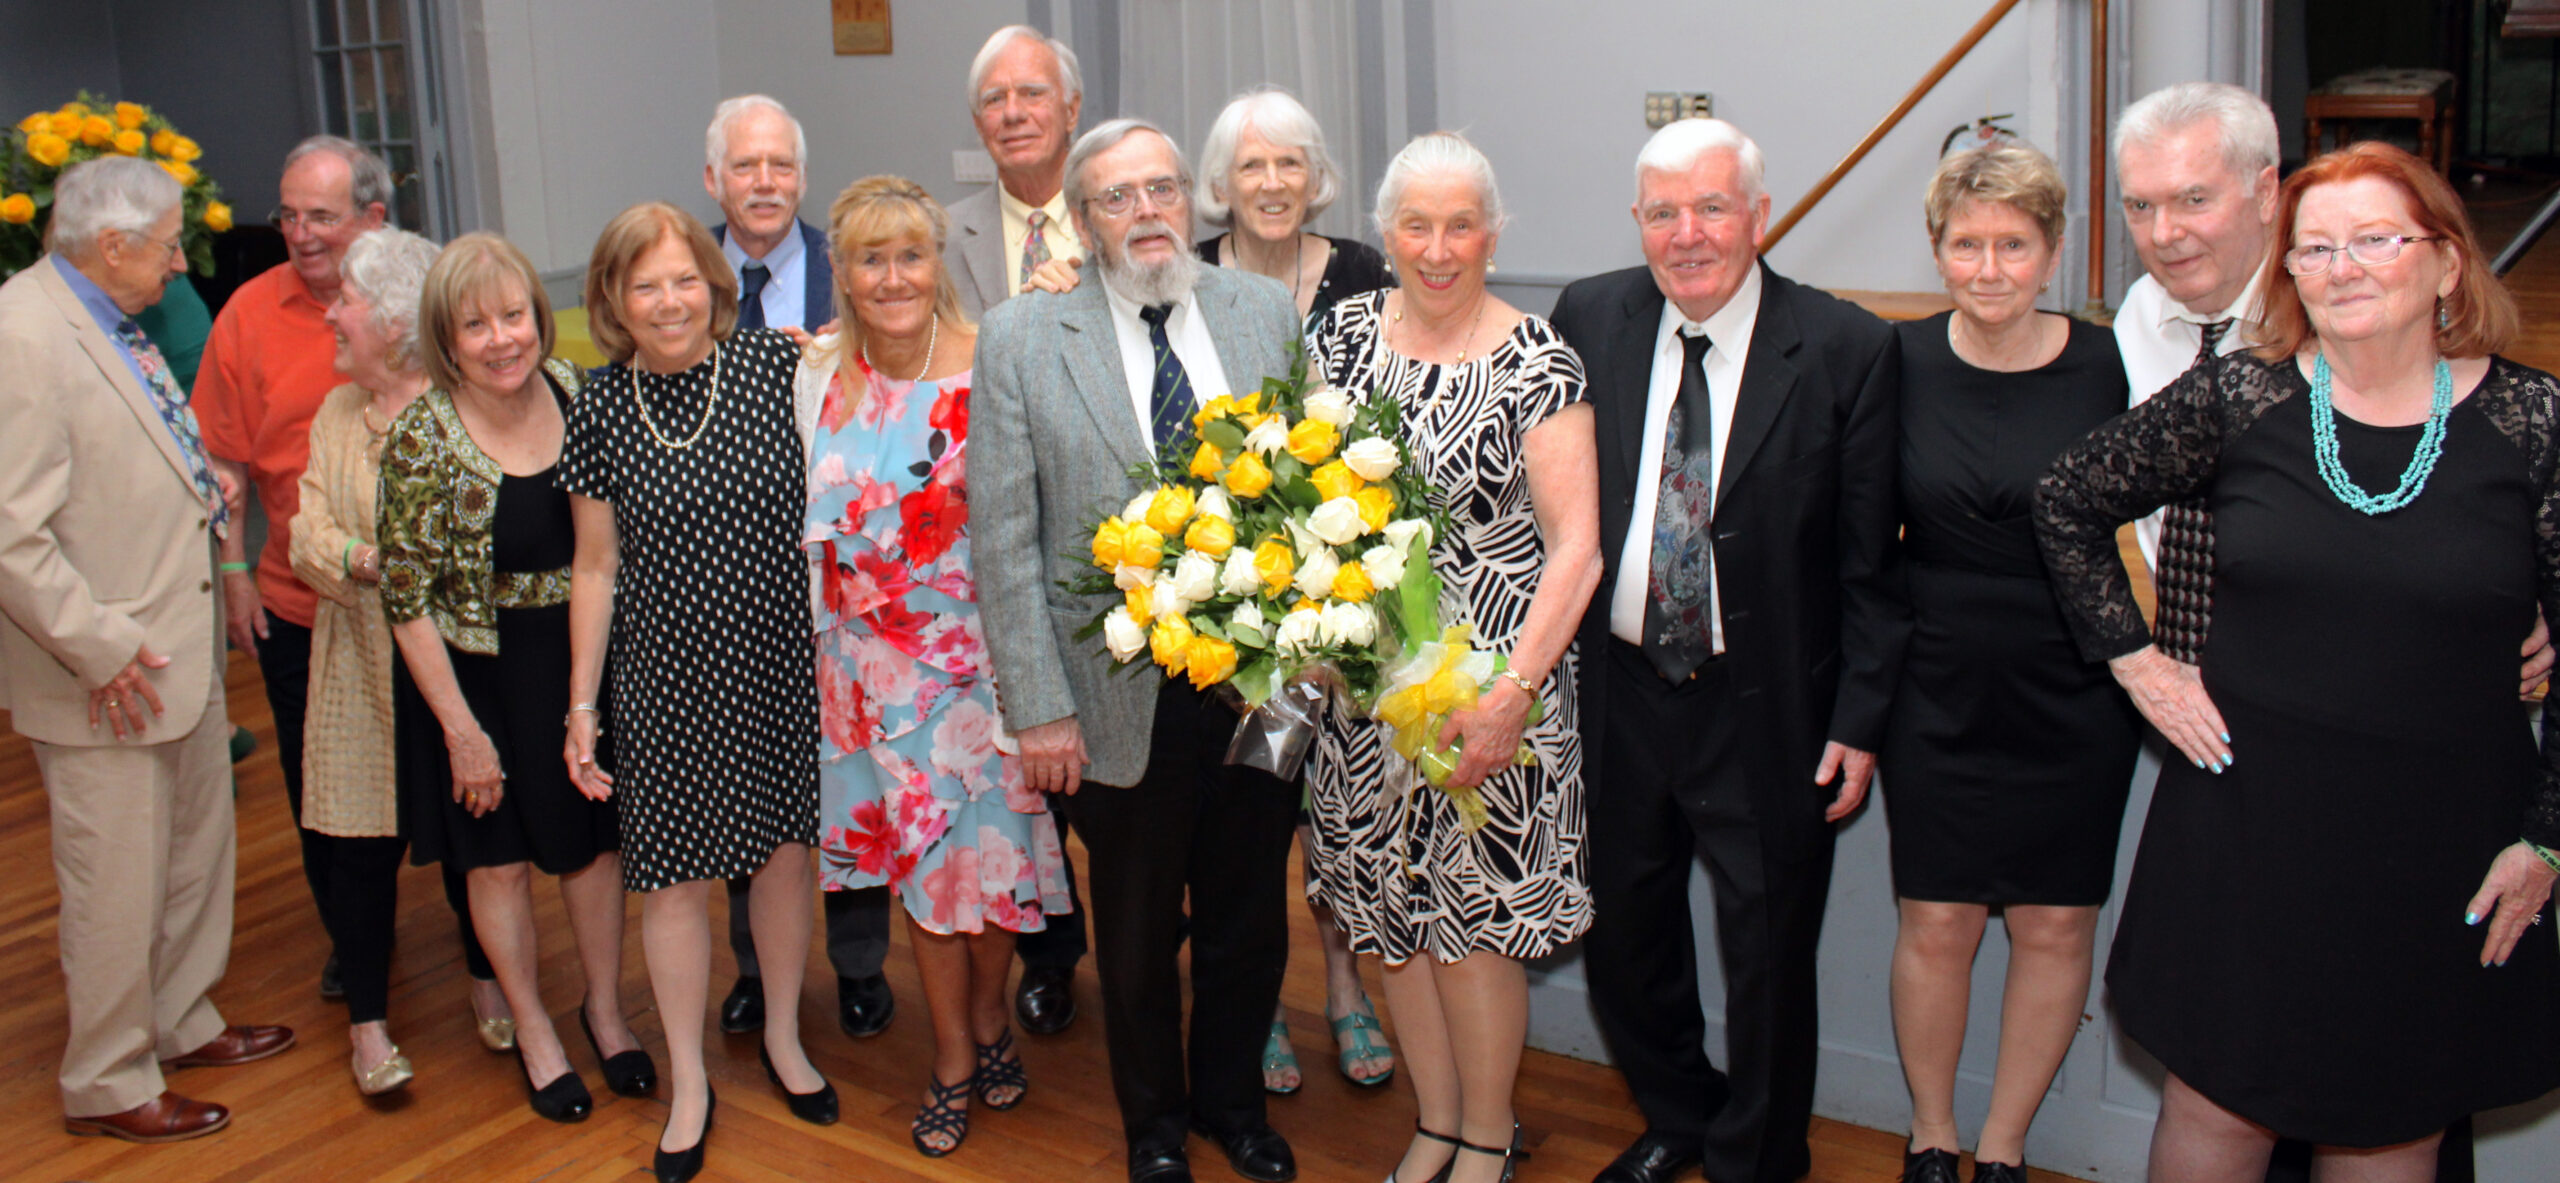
column 915, row 789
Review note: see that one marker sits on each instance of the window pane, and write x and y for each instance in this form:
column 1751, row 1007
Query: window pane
column 324, row 23
column 399, row 105
column 409, row 197
column 391, row 20
column 359, row 21
column 368, row 111
column 333, row 93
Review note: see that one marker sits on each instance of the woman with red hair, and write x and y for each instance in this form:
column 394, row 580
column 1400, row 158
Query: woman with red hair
column 2386, row 500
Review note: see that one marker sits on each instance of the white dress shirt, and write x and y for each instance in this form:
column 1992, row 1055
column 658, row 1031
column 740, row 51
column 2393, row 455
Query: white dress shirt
column 1191, row 343
column 786, row 295
column 2159, row 337
column 1729, row 331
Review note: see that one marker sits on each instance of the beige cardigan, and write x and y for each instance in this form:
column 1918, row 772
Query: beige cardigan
column 347, row 786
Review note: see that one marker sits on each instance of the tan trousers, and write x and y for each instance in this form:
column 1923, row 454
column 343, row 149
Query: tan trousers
column 143, row 846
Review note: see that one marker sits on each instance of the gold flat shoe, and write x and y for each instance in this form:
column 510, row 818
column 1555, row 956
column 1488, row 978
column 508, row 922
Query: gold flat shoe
column 393, row 1072
column 498, row 1035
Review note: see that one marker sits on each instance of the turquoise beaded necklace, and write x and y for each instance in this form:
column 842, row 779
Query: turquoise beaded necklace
column 2324, row 444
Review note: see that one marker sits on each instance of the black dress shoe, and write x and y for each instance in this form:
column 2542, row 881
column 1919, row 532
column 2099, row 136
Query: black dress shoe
column 631, row 1073
column 817, row 1107
column 333, row 983
column 564, row 1100
column 1046, row 1000
column 1654, row 1158
column 1159, row 1166
column 1996, row 1172
column 1258, row 1153
column 864, row 1005
column 743, row 1010
column 679, row 1166
column 1930, row 1166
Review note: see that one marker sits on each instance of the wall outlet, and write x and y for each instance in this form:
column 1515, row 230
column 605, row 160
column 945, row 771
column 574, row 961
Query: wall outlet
column 972, row 166
column 1663, row 107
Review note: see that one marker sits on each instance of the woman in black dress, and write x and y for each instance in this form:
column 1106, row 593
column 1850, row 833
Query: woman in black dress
column 475, row 547
column 2386, row 501
column 686, row 477
column 2010, row 755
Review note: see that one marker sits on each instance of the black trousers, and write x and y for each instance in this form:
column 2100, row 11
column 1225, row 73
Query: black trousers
column 1062, row 944
column 1198, row 825
column 1672, row 788
column 857, row 930
column 284, row 663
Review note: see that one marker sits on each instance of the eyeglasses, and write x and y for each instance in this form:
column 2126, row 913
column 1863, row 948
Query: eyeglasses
column 286, row 219
column 1165, row 192
column 2368, row 250
column 168, row 249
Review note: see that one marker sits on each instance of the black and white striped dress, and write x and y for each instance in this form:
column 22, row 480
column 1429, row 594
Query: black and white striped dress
column 1400, row 874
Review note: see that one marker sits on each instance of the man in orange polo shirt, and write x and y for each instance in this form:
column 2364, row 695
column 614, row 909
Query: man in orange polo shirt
column 265, row 371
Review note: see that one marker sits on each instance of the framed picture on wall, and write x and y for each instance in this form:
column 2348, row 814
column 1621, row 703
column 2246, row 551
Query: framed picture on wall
column 861, row 26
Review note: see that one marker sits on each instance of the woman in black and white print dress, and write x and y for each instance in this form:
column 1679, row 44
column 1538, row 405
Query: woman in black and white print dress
column 1492, row 414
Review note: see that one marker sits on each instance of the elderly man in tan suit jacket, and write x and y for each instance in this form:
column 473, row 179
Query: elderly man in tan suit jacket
column 110, row 637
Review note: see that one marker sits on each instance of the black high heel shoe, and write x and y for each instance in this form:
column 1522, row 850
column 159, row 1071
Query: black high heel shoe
column 1511, row 1155
column 1441, row 1175
column 563, row 1100
column 678, row 1166
column 816, row 1108
column 999, row 1067
column 632, row 1073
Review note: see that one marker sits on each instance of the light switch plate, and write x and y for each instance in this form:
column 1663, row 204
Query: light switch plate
column 1663, row 107
column 972, row 166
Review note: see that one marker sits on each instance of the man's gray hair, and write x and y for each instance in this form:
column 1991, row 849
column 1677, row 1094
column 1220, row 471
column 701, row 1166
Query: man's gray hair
column 387, row 269
column 368, row 179
column 1439, row 154
column 1282, row 121
column 715, row 142
column 2247, row 127
column 1103, row 139
column 1069, row 77
column 1680, row 144
column 109, row 193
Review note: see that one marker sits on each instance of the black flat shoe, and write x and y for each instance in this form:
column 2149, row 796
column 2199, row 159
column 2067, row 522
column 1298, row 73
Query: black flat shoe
column 1997, row 1172
column 333, row 981
column 864, row 1005
column 678, row 1166
column 1258, row 1153
column 1652, row 1158
column 631, row 1074
column 1000, row 1067
column 941, row 1115
column 1159, row 1166
column 817, row 1107
column 563, row 1100
column 743, row 1010
column 1512, row 1156
column 1046, row 1000
column 1929, row 1166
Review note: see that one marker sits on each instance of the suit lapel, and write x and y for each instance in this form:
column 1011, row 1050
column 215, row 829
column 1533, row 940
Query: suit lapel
column 1632, row 349
column 1768, row 379
column 1093, row 360
column 818, row 301
column 104, row 353
column 982, row 252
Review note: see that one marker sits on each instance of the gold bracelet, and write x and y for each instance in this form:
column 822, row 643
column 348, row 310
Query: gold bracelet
column 1518, row 679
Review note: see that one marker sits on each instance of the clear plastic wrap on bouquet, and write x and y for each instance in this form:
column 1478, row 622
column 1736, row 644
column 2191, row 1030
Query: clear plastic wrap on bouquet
column 1277, row 735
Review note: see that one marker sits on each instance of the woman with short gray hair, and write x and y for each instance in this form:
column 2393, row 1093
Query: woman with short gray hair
column 1265, row 174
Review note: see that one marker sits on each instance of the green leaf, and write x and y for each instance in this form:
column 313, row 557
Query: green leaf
column 1226, row 435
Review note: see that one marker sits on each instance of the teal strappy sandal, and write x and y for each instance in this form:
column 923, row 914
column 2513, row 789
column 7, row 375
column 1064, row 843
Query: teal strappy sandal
column 1352, row 1033
column 1278, row 1056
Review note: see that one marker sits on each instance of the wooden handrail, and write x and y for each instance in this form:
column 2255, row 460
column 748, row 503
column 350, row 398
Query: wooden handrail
column 2097, row 157
column 1805, row 204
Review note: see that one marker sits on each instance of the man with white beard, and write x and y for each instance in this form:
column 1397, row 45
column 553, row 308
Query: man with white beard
column 1073, row 389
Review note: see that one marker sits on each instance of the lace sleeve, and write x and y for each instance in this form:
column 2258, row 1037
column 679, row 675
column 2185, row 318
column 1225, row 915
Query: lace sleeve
column 2524, row 403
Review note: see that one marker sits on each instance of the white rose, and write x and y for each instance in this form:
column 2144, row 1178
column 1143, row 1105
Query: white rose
column 1196, row 577
column 1166, row 596
column 1408, row 533
column 1316, row 572
column 1214, row 503
column 1329, row 405
column 1271, row 437
column 1129, row 575
column 1343, row 623
column 1248, row 625
column 1238, row 578
column 1371, row 459
column 1125, row 636
column 1385, row 565
column 1296, row 634
column 1137, row 509
column 1337, row 522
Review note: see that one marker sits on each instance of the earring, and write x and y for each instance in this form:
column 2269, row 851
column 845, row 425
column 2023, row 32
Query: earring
column 2444, row 316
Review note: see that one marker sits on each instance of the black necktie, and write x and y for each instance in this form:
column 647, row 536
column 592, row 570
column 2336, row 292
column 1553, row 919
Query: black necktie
column 2184, row 582
column 751, row 281
column 1679, row 609
column 1169, row 403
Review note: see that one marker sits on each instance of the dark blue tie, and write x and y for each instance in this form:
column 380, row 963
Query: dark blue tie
column 1169, row 405
column 751, row 281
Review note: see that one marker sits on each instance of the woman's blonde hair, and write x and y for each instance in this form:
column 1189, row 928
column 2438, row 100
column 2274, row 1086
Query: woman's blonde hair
column 633, row 233
column 2006, row 173
column 882, row 209
column 475, row 269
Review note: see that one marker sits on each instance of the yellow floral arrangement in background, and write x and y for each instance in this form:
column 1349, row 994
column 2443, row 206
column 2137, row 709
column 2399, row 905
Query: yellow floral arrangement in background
column 43, row 144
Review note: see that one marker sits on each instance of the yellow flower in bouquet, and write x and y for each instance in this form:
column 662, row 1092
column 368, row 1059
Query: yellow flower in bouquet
column 1110, row 542
column 217, row 216
column 48, row 148
column 1141, row 598
column 1210, row 661
column 97, row 130
column 1248, row 476
column 1169, row 642
column 66, row 123
column 18, row 208
column 1276, row 564
column 1377, row 504
column 1211, row 536
column 128, row 142
column 1207, row 463
column 1352, row 583
column 183, row 150
column 1335, row 479
column 1312, row 440
column 1169, row 509
column 131, row 115
column 40, row 121
column 164, row 142
column 75, row 108
column 184, row 172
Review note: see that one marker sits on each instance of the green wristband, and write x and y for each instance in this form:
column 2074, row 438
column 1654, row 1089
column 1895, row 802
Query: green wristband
column 227, row 568
column 2542, row 852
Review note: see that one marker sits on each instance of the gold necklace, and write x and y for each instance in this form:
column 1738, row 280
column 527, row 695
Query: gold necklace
column 708, row 405
column 1397, row 317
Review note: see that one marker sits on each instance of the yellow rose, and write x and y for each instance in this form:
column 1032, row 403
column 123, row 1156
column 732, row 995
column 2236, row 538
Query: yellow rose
column 1142, row 602
column 164, row 141
column 1247, row 477
column 1377, row 503
column 1352, row 583
column 131, row 115
column 64, row 124
column 1214, row 409
column 1143, row 546
column 1110, row 540
column 1276, row 564
column 1207, row 462
column 96, row 130
column 75, row 109
column 1169, row 509
column 1335, row 479
column 18, row 208
column 1210, row 536
column 1211, row 660
column 128, row 142
column 48, row 149
column 1311, row 440
column 184, row 150
column 40, row 121
column 1169, row 642
column 184, row 172
column 217, row 216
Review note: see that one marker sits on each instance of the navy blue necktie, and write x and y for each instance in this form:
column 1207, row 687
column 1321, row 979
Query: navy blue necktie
column 751, row 281
column 1170, row 403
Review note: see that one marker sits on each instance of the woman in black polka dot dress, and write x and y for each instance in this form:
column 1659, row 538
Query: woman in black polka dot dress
column 685, row 471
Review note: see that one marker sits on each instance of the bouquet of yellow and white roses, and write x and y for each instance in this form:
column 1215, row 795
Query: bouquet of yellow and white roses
column 1287, row 559
column 35, row 152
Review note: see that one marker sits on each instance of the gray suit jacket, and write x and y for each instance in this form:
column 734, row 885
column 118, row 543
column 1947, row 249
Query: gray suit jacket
column 977, row 251
column 1052, row 438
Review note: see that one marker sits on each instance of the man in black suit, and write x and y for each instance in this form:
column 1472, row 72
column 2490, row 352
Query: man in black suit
column 1740, row 655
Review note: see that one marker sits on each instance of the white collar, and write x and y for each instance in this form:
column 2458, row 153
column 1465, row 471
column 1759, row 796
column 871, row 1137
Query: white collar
column 1729, row 327
column 774, row 260
column 2249, row 309
column 1126, row 308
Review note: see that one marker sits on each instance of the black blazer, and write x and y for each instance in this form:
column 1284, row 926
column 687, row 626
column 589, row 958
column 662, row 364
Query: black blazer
column 1805, row 532
column 818, row 292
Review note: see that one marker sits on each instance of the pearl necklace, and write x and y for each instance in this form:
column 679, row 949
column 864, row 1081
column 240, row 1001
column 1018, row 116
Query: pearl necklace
column 640, row 395
column 933, row 337
column 2422, row 464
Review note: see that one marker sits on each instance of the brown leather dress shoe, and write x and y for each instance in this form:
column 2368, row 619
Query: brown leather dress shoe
column 236, row 1045
column 165, row 1118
